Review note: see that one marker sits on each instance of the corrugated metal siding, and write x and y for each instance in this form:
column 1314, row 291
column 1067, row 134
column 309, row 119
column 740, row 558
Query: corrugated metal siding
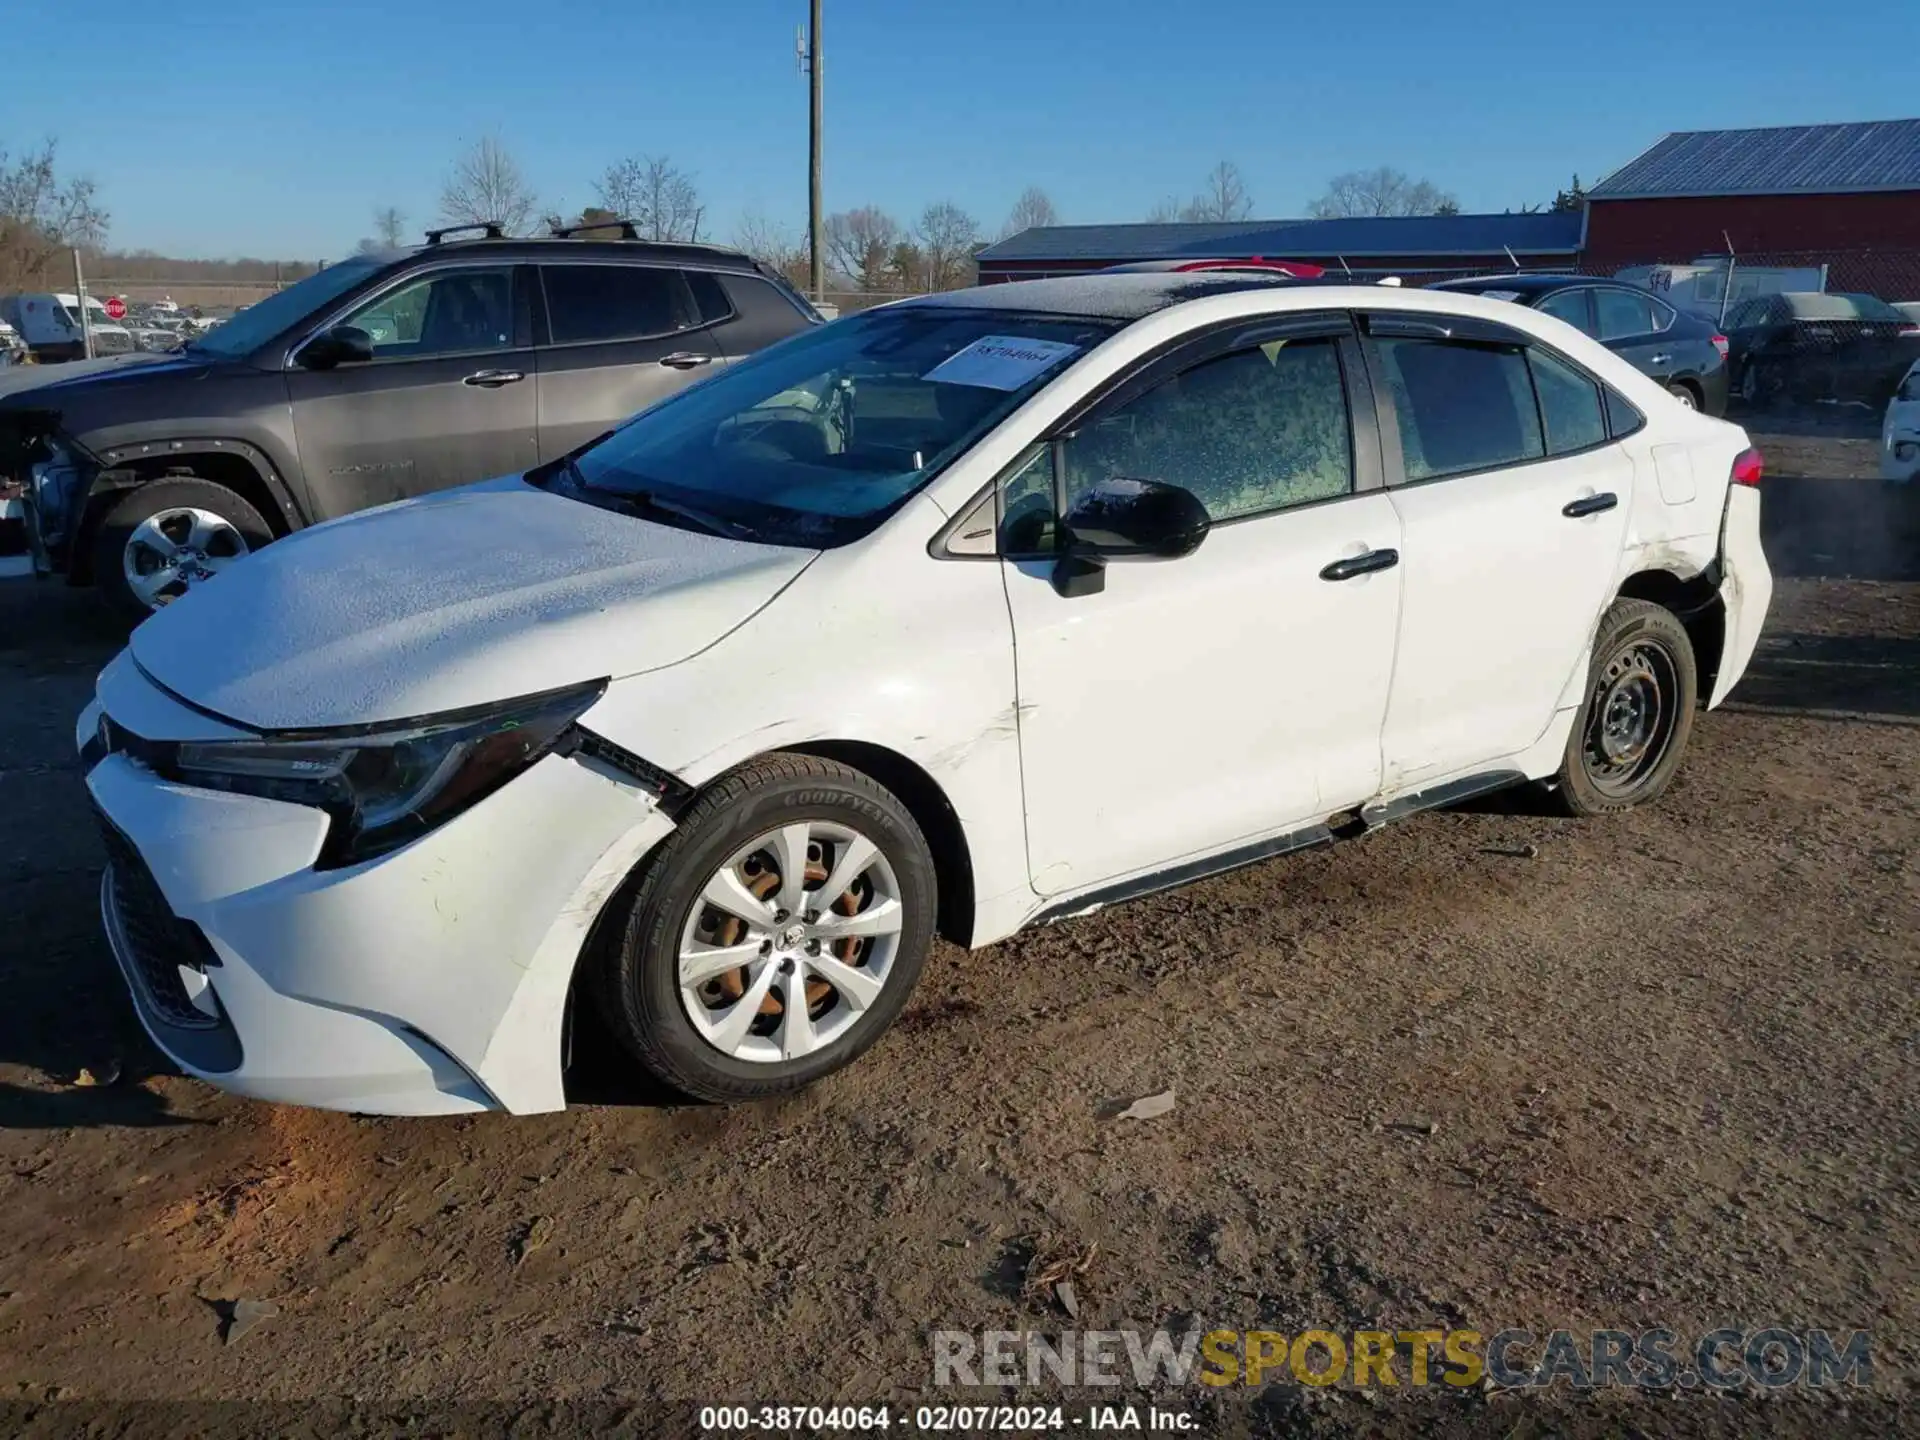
column 1373, row 237
column 1785, row 160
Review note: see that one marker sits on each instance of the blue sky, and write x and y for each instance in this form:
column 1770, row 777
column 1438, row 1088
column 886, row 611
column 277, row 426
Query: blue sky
column 274, row 127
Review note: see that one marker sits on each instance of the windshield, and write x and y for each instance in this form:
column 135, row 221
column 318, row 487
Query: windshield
column 254, row 326
column 817, row 439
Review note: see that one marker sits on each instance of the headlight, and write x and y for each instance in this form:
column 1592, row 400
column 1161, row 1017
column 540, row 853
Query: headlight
column 385, row 787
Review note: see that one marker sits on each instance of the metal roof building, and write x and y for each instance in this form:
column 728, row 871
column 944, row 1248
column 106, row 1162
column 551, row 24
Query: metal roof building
column 1373, row 245
column 1848, row 195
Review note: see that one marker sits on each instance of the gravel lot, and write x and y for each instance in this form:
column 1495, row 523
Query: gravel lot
column 1487, row 1068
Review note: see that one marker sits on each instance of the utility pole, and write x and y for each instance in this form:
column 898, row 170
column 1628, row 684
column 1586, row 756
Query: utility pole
column 80, row 300
column 816, row 221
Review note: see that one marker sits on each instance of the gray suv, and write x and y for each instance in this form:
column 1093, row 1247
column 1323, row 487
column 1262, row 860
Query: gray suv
column 376, row 379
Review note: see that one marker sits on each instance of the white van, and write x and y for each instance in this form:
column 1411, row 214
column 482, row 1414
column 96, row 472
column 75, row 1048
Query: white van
column 50, row 325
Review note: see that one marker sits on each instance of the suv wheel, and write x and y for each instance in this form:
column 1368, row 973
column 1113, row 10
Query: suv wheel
column 1633, row 728
column 167, row 537
column 776, row 934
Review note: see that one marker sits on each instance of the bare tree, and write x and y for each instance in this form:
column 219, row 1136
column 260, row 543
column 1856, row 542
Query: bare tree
column 390, row 226
column 947, row 238
column 1223, row 197
column 1032, row 209
column 654, row 193
column 486, row 186
column 1384, row 191
column 1164, row 212
column 860, row 243
column 766, row 239
column 41, row 216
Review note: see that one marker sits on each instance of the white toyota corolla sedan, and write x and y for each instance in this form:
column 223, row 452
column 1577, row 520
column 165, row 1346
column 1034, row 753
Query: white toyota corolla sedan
column 961, row 615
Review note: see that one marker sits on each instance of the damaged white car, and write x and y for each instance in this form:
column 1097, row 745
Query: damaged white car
column 1900, row 431
column 976, row 611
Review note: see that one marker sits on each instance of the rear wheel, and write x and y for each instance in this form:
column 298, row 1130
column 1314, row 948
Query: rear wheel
column 1760, row 384
column 1633, row 727
column 170, row 536
column 1684, row 394
column 776, row 934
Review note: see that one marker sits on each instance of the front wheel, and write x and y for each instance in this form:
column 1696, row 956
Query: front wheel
column 777, row 933
column 169, row 536
column 1632, row 729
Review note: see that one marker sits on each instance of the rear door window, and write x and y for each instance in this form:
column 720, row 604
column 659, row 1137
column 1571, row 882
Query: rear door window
column 1460, row 406
column 587, row 303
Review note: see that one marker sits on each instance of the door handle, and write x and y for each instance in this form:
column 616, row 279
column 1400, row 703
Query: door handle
column 1590, row 505
column 1660, row 359
column 1366, row 564
column 494, row 379
column 685, row 360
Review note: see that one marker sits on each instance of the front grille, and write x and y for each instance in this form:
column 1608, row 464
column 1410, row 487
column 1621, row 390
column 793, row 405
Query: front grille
column 155, row 942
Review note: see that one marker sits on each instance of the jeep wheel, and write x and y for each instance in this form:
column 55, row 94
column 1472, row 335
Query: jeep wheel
column 167, row 537
column 776, row 934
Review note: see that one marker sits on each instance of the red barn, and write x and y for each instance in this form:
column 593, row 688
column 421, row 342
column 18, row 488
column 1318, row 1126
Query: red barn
column 1844, row 195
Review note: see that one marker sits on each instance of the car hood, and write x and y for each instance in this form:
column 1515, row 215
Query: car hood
column 464, row 598
column 77, row 373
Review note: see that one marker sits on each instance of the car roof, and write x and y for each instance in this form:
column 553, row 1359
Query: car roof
column 1525, row 282
column 548, row 247
column 1108, row 294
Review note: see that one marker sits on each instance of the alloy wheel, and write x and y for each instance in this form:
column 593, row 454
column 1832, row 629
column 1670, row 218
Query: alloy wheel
column 791, row 941
column 173, row 550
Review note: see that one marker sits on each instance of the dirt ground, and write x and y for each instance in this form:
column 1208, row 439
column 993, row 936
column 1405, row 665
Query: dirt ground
column 1485, row 1069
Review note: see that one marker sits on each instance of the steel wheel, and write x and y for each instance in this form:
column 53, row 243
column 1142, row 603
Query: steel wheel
column 1631, row 717
column 175, row 549
column 790, row 942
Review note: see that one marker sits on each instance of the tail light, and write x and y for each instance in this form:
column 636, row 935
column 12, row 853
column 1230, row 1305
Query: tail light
column 1719, row 342
column 1908, row 332
column 1747, row 468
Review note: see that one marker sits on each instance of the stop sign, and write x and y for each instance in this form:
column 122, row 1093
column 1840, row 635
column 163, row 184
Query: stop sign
column 116, row 308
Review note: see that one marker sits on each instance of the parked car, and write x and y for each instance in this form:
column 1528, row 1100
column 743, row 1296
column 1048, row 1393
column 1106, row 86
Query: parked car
column 1815, row 345
column 376, row 379
column 1682, row 350
column 963, row 614
column 1900, row 431
column 13, row 350
column 149, row 335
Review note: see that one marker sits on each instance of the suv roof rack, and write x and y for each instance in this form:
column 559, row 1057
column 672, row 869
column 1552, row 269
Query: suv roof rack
column 490, row 228
column 618, row 222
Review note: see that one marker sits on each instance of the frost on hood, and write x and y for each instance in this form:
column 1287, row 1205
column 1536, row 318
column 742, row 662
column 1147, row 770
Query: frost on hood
column 466, row 597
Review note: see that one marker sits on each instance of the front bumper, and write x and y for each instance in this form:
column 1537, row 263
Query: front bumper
column 433, row 980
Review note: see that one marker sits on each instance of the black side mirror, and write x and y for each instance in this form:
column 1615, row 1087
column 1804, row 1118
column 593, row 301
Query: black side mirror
column 1126, row 520
column 342, row 345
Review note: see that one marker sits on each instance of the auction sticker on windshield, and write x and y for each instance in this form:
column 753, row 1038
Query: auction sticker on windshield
column 1000, row 362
